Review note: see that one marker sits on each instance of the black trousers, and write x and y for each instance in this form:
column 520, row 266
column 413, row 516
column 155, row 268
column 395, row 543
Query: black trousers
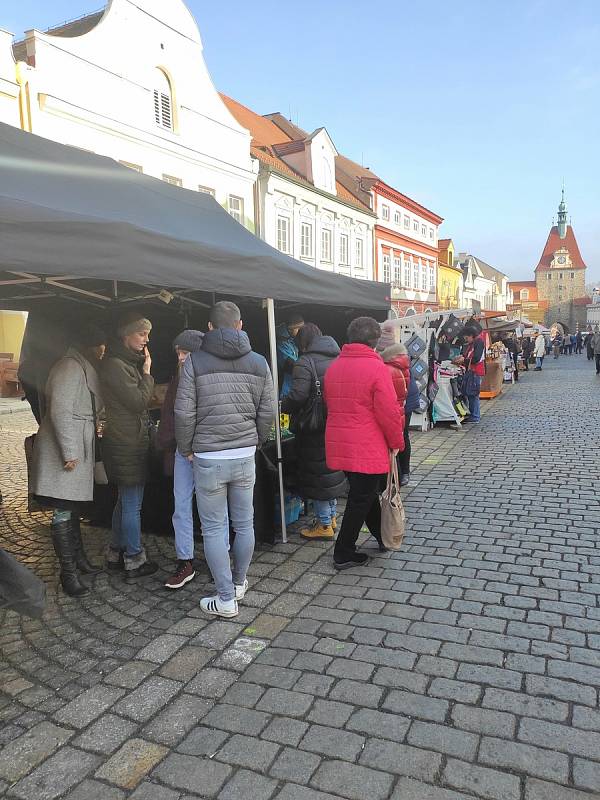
column 403, row 458
column 362, row 506
column 597, row 363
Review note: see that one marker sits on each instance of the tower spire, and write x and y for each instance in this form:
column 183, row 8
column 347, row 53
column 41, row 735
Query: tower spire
column 562, row 215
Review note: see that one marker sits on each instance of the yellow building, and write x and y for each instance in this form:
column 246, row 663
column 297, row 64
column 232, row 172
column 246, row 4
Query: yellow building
column 449, row 277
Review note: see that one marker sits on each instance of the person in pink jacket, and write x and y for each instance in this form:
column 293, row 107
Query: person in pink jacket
column 364, row 423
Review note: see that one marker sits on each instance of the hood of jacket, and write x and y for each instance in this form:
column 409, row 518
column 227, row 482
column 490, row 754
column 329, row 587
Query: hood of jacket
column 323, row 346
column 226, row 343
column 118, row 350
column 400, row 362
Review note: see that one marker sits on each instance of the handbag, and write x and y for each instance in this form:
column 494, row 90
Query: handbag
column 311, row 418
column 469, row 384
column 100, row 476
column 393, row 516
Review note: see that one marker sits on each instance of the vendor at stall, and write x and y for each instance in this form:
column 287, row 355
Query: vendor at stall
column 287, row 351
column 473, row 360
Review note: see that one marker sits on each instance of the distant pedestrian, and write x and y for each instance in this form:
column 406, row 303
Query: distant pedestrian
column 539, row 351
column 527, row 350
column 596, row 348
column 572, row 344
column 557, row 345
column 579, row 343
column 589, row 347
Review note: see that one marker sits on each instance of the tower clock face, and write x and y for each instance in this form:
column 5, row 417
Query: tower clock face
column 562, row 260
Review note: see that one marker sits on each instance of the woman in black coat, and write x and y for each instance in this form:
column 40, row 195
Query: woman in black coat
column 315, row 481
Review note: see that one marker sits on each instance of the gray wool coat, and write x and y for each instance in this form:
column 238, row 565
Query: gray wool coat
column 67, row 431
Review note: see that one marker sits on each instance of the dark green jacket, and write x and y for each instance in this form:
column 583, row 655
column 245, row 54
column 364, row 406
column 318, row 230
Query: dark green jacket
column 127, row 393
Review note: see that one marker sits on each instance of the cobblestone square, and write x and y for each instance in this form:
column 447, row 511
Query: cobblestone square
column 465, row 666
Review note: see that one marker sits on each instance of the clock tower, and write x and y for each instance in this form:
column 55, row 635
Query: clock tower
column 560, row 274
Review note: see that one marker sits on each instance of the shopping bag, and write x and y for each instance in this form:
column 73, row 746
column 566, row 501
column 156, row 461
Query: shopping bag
column 20, row 589
column 393, row 518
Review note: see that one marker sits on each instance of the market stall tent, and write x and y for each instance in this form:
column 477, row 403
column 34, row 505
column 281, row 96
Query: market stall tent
column 78, row 226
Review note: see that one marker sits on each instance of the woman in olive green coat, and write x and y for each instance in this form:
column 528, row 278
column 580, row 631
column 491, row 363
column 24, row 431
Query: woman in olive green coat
column 127, row 389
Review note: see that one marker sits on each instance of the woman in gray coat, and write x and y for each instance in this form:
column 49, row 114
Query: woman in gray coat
column 64, row 452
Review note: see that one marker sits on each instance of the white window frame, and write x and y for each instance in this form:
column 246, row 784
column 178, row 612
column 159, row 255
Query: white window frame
column 416, row 225
column 344, row 249
column 172, row 180
column 386, row 275
column 134, row 167
column 163, row 104
column 431, row 278
column 235, row 208
column 423, row 230
column 326, row 245
column 397, row 218
column 397, row 271
column 524, row 294
column 284, row 234
column 424, row 278
column 407, row 222
column 385, row 212
column 359, row 253
column 206, row 190
column 416, row 281
column 307, row 230
column 407, row 272
column 431, row 233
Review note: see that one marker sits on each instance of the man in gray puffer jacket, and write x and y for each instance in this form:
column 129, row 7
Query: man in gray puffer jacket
column 224, row 408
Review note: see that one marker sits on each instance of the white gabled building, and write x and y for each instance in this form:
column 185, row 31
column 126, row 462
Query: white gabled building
column 130, row 82
column 484, row 284
column 301, row 208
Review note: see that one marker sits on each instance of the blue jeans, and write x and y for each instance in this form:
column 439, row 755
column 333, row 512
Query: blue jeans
column 183, row 521
column 127, row 525
column 473, row 398
column 539, row 360
column 325, row 510
column 224, row 491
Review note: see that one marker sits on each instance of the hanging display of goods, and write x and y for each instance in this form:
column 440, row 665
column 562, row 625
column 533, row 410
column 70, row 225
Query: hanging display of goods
column 451, row 328
column 415, row 346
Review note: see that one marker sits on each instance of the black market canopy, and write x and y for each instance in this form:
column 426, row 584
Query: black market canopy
column 74, row 222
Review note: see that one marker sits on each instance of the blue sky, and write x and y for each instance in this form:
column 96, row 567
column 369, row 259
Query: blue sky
column 475, row 109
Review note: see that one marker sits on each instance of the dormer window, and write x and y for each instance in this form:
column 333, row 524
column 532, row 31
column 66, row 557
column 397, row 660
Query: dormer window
column 163, row 101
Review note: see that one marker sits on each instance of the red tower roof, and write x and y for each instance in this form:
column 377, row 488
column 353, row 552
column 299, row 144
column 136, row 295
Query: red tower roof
column 555, row 243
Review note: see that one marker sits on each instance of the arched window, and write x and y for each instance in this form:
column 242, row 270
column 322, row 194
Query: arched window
column 163, row 101
column 410, row 312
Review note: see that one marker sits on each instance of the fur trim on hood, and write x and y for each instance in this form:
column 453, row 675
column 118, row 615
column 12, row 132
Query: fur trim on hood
column 394, row 350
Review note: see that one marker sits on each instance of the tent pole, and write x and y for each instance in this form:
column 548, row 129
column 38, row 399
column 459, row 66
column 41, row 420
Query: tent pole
column 274, row 370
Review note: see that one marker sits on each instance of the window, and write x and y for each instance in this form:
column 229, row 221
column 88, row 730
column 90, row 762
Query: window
column 344, row 252
column 549, row 276
column 406, row 272
column 306, row 240
column 431, row 233
column 416, row 225
column 385, row 273
column 415, row 275
column 359, row 244
column 325, row 244
column 385, row 212
column 163, row 104
column 172, row 180
column 423, row 230
column 235, row 206
column 572, row 275
column 407, row 222
column 283, row 234
column 397, row 218
column 560, row 277
column 431, row 279
column 206, row 190
column 129, row 165
column 397, row 271
column 424, row 277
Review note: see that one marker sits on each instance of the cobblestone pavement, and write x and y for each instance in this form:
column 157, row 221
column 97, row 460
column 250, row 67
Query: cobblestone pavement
column 465, row 666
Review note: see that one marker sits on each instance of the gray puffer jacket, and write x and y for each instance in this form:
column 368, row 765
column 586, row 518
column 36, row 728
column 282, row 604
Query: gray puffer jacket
column 225, row 396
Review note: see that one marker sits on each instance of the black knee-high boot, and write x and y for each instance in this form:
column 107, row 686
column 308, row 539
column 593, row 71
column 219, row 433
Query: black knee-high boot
column 81, row 559
column 62, row 539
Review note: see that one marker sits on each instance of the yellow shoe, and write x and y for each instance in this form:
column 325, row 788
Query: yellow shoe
column 317, row 531
column 334, row 523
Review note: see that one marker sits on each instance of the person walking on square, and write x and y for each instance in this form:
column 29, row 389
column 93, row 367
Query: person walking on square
column 557, row 345
column 315, row 481
column 589, row 347
column 579, row 343
column 127, row 388
column 539, row 351
column 596, row 348
column 527, row 349
column 224, row 408
column 62, row 473
column 364, row 423
column 179, row 468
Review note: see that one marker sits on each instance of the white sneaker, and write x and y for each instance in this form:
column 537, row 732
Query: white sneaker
column 240, row 590
column 219, row 608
